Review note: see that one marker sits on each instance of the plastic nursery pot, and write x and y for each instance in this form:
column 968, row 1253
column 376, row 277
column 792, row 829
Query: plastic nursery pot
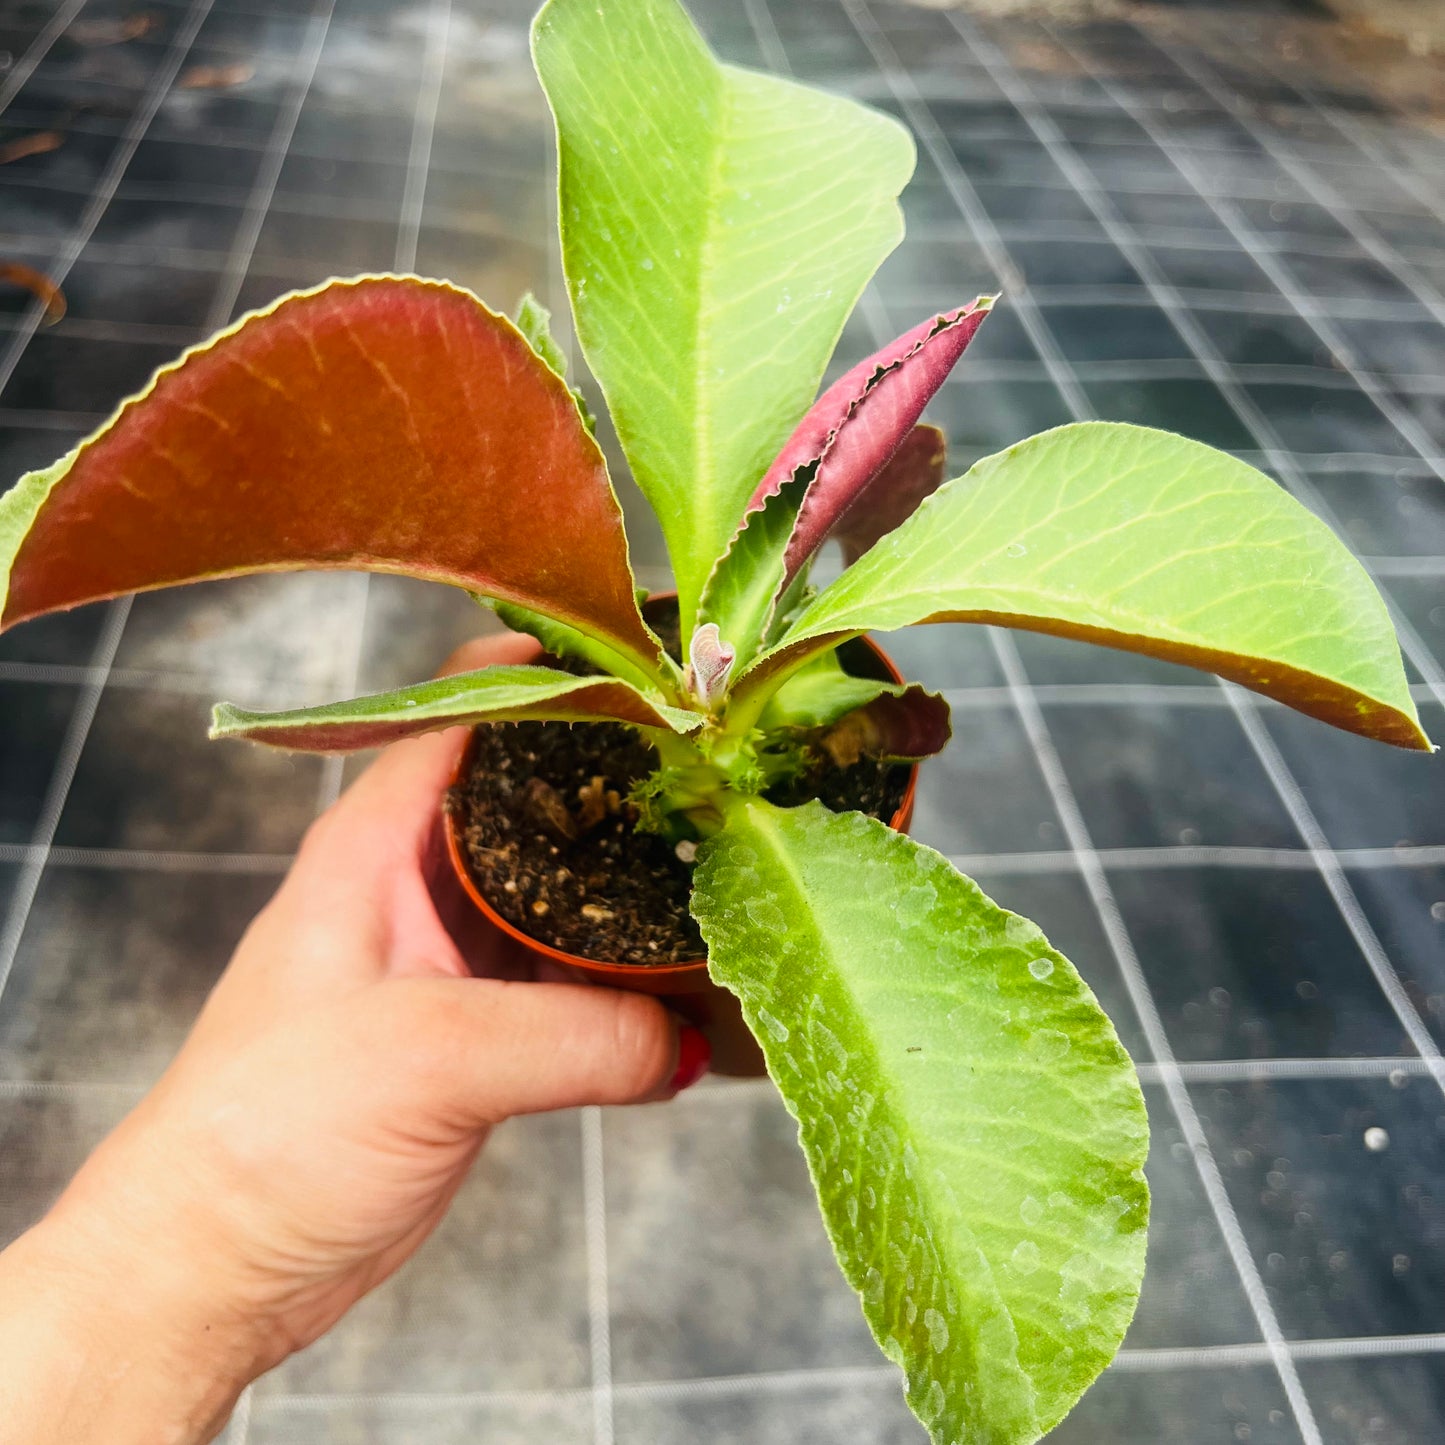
column 688, row 989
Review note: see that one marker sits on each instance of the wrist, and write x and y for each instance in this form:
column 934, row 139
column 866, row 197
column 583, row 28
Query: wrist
column 98, row 1343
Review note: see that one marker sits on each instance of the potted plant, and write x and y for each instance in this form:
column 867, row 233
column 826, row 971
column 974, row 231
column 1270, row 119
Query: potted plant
column 974, row 1128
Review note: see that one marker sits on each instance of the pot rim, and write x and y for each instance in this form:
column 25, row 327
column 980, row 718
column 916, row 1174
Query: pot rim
column 658, row 971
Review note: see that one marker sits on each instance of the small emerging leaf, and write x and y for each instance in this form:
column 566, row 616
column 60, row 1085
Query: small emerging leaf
column 858, row 424
column 386, row 424
column 493, row 694
column 974, row 1129
column 828, row 471
column 534, row 321
column 1141, row 540
column 710, row 664
column 746, row 589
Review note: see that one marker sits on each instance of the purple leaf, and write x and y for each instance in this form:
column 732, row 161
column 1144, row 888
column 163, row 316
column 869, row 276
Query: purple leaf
column 915, row 471
column 913, row 724
column 857, row 425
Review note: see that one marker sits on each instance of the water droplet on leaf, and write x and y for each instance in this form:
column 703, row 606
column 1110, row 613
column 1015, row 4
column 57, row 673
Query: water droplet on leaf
column 937, row 1402
column 1025, row 1257
column 775, row 1026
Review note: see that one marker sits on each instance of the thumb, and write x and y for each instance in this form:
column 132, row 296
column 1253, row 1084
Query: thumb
column 493, row 1048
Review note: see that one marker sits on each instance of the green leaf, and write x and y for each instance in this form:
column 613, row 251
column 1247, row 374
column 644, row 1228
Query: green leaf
column 493, row 694
column 718, row 225
column 819, row 694
column 973, row 1126
column 1140, row 540
column 534, row 321
column 744, row 590
column 570, row 642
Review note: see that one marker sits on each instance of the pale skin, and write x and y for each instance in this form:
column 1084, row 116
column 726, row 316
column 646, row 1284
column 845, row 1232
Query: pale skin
column 313, row 1130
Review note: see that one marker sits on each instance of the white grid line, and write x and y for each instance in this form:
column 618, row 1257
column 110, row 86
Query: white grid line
column 1285, row 785
column 1163, row 237
column 1090, row 294
column 599, row 1306
column 1303, row 817
column 17, row 914
column 1020, row 94
column 1136, row 984
column 258, row 202
column 62, row 776
column 1165, row 1067
column 1255, row 859
column 1095, row 879
column 1377, row 158
column 1131, row 694
column 157, row 89
column 424, row 118
column 1040, row 861
column 173, row 861
column 1161, row 290
column 1310, row 181
column 1254, row 245
column 1021, row 298
column 38, row 49
column 1130, row 1360
column 1392, row 1069
column 423, row 133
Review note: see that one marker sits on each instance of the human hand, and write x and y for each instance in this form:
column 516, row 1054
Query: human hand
column 312, row 1131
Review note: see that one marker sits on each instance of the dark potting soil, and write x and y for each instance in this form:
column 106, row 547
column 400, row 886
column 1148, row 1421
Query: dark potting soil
column 549, row 835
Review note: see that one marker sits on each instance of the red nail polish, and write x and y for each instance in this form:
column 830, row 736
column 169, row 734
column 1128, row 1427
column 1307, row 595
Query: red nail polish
column 694, row 1054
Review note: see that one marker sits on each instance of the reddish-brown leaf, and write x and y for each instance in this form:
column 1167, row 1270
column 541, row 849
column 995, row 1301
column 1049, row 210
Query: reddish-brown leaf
column 37, row 143
column 96, row 33
column 914, row 472
column 216, row 77
column 384, row 424
column 905, row 726
column 36, row 282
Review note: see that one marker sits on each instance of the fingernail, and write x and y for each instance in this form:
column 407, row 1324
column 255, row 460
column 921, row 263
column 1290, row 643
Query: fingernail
column 694, row 1054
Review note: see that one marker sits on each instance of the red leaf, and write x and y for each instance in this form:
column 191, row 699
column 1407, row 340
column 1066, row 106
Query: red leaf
column 857, row 425
column 383, row 424
column 915, row 471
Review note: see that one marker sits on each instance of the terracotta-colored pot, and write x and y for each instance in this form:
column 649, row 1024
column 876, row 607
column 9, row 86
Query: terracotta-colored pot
column 686, row 986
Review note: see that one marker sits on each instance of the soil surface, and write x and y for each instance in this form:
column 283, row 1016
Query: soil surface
column 550, row 839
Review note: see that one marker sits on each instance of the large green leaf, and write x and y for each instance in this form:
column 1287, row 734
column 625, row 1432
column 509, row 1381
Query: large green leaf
column 973, row 1126
column 493, row 694
column 1141, row 540
column 717, row 227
